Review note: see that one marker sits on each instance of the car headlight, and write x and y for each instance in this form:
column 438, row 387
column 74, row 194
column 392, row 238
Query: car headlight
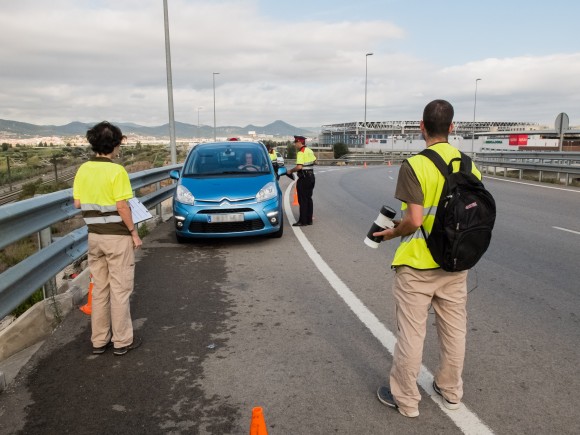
column 267, row 192
column 183, row 195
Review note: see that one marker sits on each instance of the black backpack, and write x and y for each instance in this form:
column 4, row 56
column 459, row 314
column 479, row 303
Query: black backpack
column 464, row 219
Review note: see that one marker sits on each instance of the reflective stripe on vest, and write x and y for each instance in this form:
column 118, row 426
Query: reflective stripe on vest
column 413, row 250
column 100, row 214
column 103, row 220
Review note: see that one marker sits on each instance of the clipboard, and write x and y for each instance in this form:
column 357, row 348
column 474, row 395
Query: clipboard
column 139, row 212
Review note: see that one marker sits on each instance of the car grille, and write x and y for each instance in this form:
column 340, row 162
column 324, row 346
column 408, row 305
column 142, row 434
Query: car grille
column 223, row 211
column 226, row 227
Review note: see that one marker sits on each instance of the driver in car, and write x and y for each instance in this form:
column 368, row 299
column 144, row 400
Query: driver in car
column 248, row 164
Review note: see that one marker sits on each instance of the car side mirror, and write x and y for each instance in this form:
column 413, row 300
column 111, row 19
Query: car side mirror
column 174, row 174
column 282, row 171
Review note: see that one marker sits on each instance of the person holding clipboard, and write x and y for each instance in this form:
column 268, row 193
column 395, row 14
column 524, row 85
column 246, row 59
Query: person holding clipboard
column 101, row 190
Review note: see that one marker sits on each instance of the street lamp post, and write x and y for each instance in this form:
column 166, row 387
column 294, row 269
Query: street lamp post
column 365, row 120
column 172, row 144
column 198, row 109
column 474, row 106
column 214, row 125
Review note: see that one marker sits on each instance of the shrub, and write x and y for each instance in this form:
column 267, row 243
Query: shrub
column 340, row 149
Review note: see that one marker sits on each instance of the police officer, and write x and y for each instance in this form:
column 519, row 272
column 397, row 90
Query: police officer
column 274, row 159
column 305, row 185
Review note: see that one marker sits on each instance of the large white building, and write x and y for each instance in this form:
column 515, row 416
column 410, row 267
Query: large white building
column 467, row 136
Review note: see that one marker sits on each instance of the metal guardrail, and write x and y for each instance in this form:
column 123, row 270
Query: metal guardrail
column 21, row 219
column 567, row 163
column 354, row 159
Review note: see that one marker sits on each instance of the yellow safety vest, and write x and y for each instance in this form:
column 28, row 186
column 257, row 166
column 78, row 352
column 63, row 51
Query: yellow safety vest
column 98, row 185
column 306, row 158
column 273, row 156
column 413, row 250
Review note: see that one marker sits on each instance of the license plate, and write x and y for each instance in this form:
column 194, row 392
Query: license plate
column 231, row 217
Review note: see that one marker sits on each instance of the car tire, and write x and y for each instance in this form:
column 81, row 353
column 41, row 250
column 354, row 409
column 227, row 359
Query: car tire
column 180, row 239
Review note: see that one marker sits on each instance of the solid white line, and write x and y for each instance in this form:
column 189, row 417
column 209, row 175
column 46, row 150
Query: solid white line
column 531, row 184
column 566, row 229
column 463, row 418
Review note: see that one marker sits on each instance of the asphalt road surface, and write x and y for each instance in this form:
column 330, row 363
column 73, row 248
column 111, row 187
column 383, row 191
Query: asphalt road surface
column 301, row 326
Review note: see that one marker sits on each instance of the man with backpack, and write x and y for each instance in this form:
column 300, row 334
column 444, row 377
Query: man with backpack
column 420, row 281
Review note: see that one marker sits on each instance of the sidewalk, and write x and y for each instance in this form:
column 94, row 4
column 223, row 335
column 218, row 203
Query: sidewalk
column 177, row 309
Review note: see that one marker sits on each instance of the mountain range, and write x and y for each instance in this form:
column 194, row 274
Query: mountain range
column 277, row 128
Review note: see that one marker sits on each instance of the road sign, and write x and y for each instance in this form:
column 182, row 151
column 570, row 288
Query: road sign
column 562, row 124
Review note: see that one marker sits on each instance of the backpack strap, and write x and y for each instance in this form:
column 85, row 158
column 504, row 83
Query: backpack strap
column 441, row 166
column 437, row 161
column 466, row 163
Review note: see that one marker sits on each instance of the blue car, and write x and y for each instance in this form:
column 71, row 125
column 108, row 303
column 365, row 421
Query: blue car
column 227, row 189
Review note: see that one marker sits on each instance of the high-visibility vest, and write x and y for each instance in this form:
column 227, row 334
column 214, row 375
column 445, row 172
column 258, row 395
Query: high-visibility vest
column 413, row 250
column 273, row 155
column 98, row 185
column 306, row 158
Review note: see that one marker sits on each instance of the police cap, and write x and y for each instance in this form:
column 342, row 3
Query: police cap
column 300, row 139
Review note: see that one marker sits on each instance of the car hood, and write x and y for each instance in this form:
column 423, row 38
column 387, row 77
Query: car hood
column 231, row 188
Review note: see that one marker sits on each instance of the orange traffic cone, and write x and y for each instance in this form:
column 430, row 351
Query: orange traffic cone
column 258, row 425
column 295, row 201
column 87, row 308
column 389, row 163
column 365, row 164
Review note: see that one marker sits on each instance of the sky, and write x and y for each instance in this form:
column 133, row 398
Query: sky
column 303, row 61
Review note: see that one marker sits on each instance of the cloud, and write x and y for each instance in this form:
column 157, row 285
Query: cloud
column 91, row 60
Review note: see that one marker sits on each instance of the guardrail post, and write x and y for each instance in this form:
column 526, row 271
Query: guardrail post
column 540, row 176
column 158, row 207
column 45, row 239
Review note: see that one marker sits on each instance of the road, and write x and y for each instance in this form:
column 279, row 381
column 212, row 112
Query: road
column 301, row 326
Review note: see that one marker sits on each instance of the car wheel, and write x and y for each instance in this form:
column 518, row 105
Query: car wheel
column 180, row 239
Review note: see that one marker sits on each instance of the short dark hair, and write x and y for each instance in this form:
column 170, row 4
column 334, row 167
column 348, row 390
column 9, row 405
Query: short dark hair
column 105, row 137
column 437, row 117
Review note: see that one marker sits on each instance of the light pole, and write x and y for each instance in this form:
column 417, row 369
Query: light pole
column 365, row 120
column 474, row 106
column 198, row 109
column 214, row 126
column 172, row 145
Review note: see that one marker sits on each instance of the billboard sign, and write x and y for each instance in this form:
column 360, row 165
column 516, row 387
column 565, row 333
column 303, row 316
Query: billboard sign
column 518, row 139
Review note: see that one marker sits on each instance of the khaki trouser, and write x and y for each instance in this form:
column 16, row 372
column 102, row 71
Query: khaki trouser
column 112, row 264
column 414, row 291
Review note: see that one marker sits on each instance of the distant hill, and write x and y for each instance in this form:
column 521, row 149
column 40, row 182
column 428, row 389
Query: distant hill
column 182, row 130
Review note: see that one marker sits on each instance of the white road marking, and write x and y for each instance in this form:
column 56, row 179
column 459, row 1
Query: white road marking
column 463, row 418
column 566, row 229
column 531, row 184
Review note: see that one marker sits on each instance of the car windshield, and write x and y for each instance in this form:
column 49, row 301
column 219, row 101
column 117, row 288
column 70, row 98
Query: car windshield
column 227, row 158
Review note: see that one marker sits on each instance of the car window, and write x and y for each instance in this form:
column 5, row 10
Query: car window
column 226, row 159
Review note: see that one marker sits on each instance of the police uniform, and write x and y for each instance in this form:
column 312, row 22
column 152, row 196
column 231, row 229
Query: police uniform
column 305, row 184
column 274, row 158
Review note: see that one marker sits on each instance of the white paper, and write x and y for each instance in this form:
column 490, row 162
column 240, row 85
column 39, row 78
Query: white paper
column 139, row 212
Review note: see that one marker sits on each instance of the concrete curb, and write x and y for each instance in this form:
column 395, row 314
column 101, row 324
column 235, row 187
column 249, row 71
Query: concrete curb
column 41, row 319
column 24, row 336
